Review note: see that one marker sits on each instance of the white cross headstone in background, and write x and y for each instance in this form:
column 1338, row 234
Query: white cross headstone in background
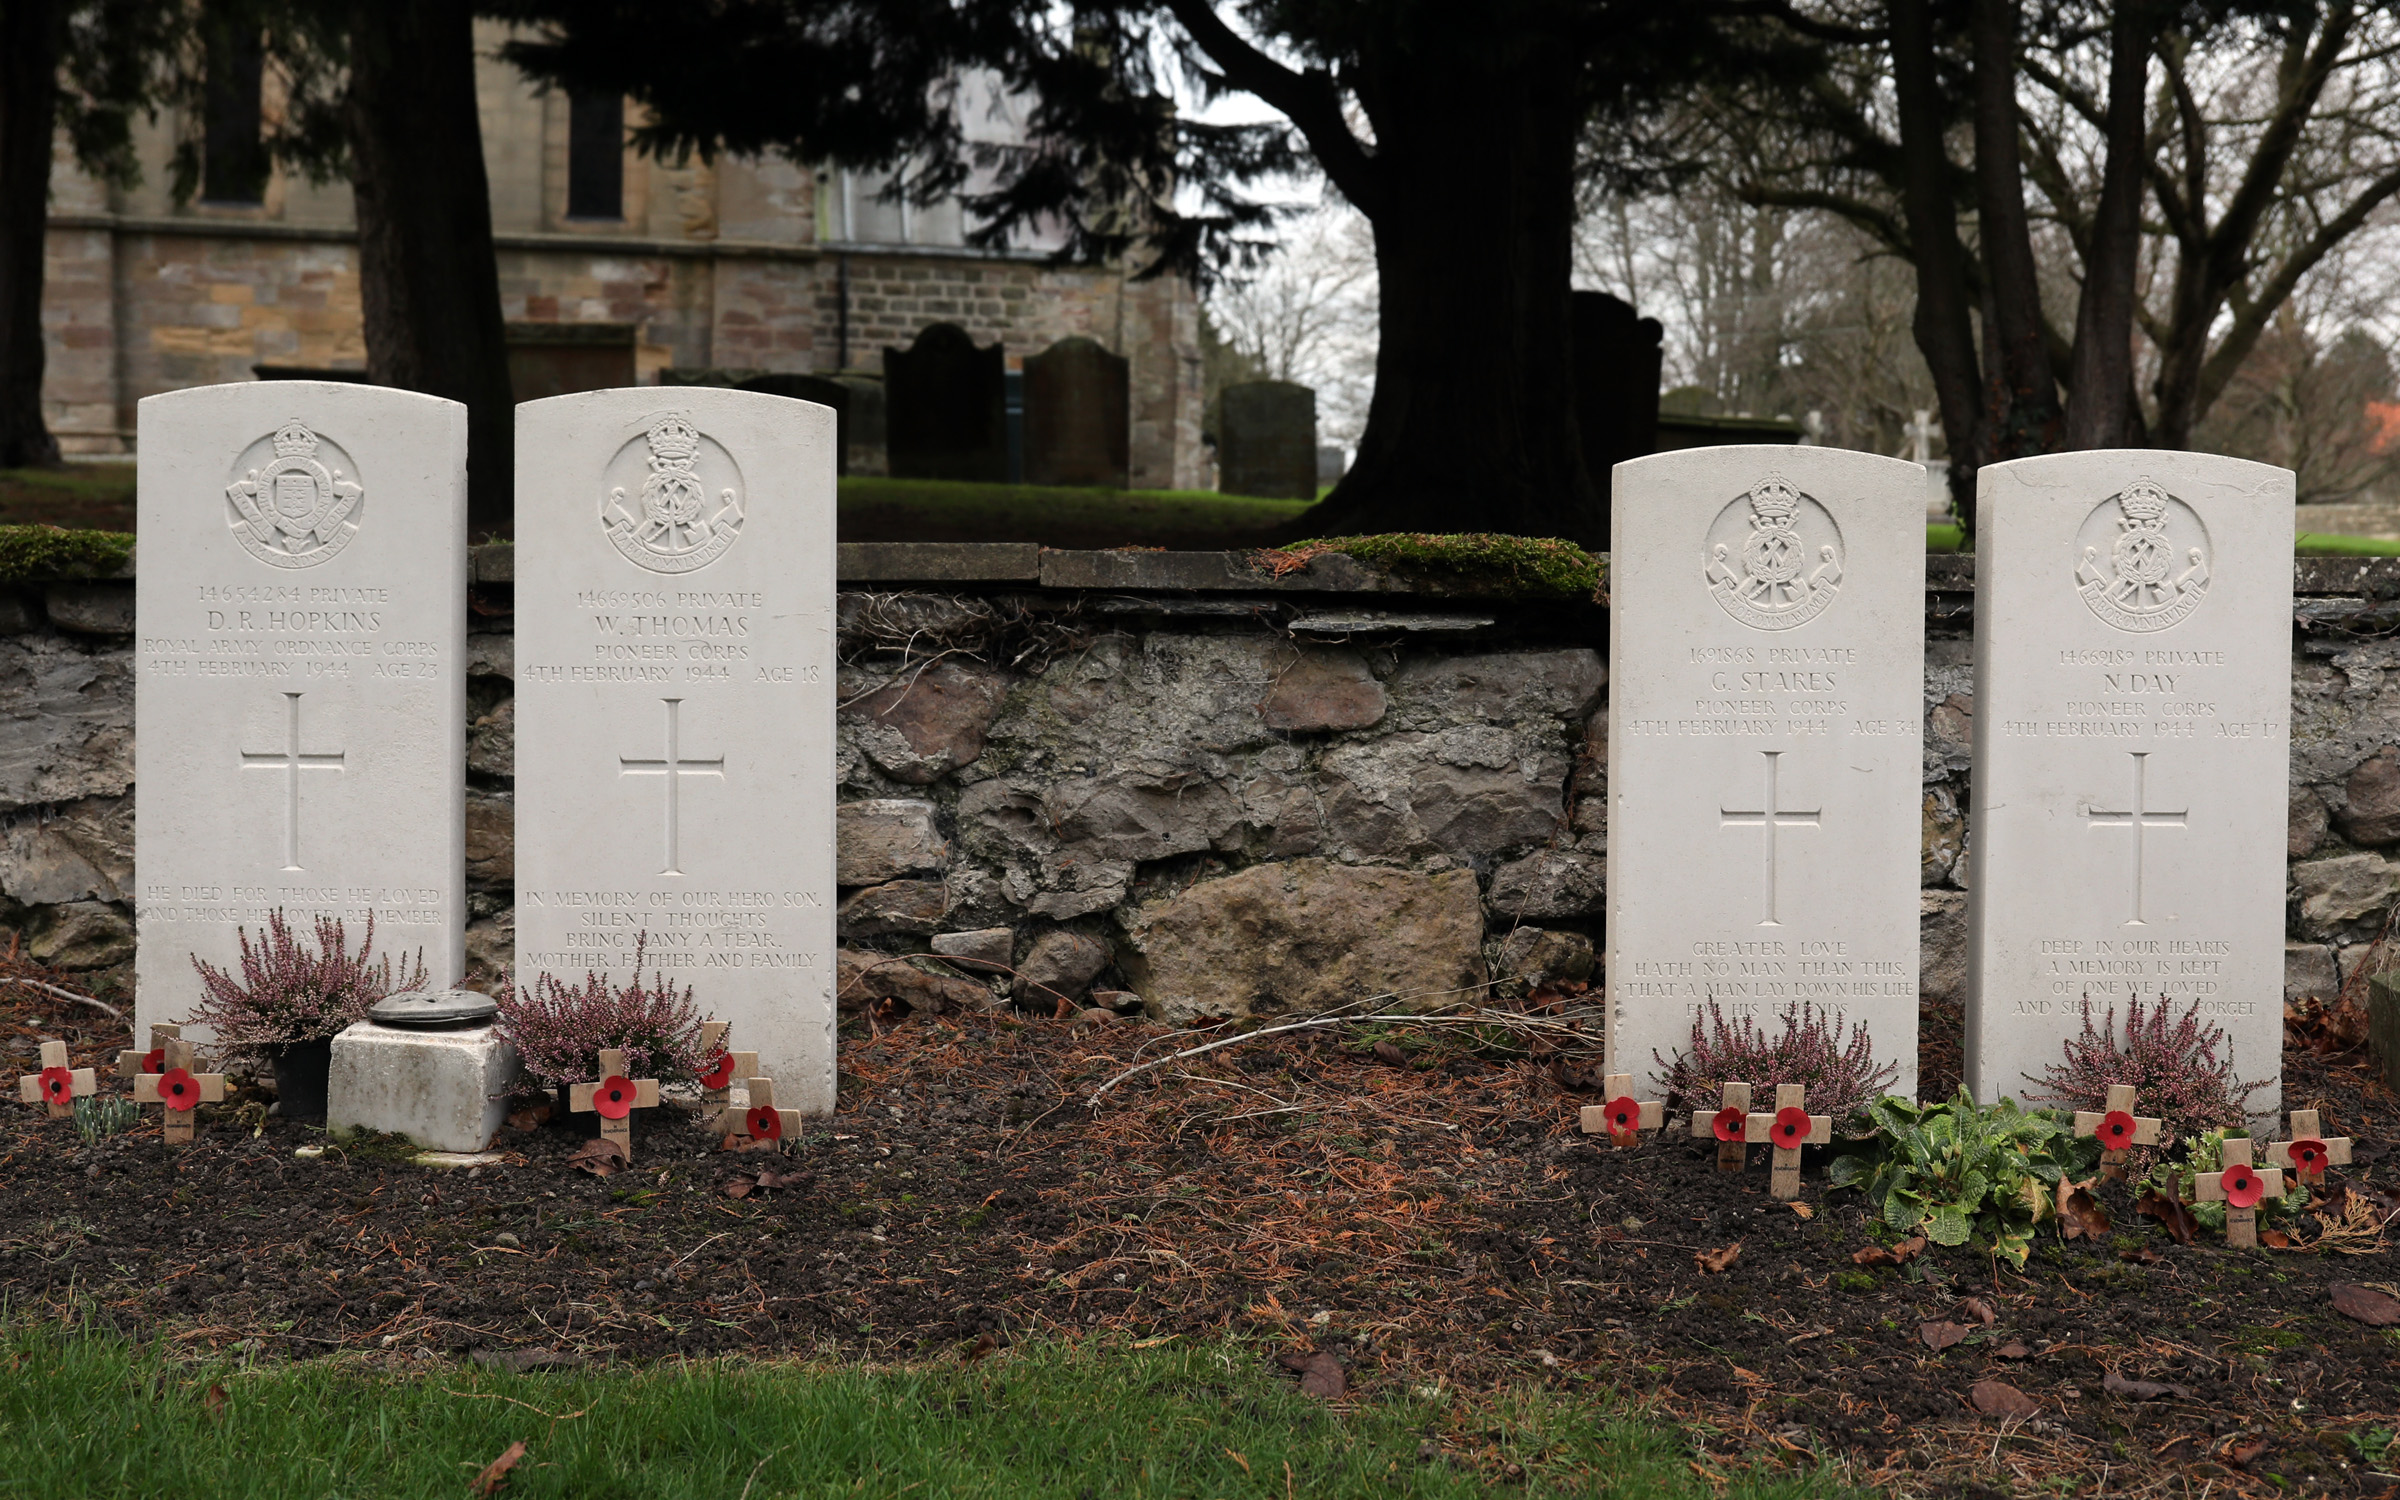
column 2133, row 678
column 1922, row 430
column 1766, row 713
column 674, row 617
column 300, row 673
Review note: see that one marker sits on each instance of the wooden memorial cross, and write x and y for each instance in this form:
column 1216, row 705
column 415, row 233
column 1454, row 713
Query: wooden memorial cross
column 763, row 1121
column 2239, row 1187
column 1731, row 1125
column 614, row 1098
column 2119, row 1130
column 717, row 1096
column 716, row 1081
column 1623, row 1118
column 180, row 1089
column 1788, row 1129
column 2310, row 1151
column 133, row 1063
column 57, row 1085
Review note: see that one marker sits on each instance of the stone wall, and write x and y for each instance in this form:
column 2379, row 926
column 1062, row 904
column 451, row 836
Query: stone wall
column 1167, row 776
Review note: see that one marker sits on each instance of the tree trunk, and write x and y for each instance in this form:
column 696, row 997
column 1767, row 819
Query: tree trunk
column 31, row 39
column 1472, row 424
column 2022, row 398
column 429, row 280
column 2102, row 411
column 1944, row 330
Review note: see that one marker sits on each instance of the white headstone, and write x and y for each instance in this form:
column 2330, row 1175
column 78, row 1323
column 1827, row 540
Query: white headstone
column 1766, row 701
column 675, row 668
column 300, row 688
column 2133, row 679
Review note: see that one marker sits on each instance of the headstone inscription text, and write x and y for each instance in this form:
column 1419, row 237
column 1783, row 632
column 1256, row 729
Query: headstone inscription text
column 2132, row 740
column 1766, row 686
column 674, row 706
column 300, row 688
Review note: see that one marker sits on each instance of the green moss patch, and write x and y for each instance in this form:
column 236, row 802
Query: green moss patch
column 1481, row 562
column 31, row 554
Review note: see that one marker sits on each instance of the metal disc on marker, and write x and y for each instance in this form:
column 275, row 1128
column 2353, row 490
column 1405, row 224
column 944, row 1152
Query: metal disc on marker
column 430, row 1010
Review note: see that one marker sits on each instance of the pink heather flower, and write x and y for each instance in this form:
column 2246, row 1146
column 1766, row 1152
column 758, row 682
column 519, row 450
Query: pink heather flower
column 2183, row 1072
column 290, row 991
column 558, row 1029
column 1840, row 1076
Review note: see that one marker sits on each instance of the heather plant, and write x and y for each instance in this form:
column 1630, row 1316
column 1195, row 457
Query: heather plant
column 558, row 1029
column 291, row 990
column 2183, row 1068
column 1840, row 1075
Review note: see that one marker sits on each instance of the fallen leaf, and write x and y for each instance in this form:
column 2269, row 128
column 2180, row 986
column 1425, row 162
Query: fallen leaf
column 1940, row 1336
column 1390, row 1055
column 747, row 1142
column 1574, row 1077
column 1889, row 1255
column 2011, row 1350
column 2366, row 1304
column 599, row 1156
column 2241, row 1452
column 1802, row 1210
column 2386, row 1200
column 2176, row 1218
column 213, row 1401
column 2079, row 1213
column 2275, row 1239
column 495, row 1474
column 1719, row 1260
column 528, row 1119
column 2141, row 1255
column 740, row 1187
column 1979, row 1310
column 984, row 1344
column 2142, row 1390
column 1320, row 1374
column 1997, row 1398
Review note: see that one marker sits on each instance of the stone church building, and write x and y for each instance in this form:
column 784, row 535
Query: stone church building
column 613, row 268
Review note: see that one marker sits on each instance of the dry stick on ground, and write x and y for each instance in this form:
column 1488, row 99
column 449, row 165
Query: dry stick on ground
column 52, row 989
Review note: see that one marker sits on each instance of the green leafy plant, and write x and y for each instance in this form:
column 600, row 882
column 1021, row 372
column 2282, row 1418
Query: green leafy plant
column 98, row 1115
column 2205, row 1152
column 1963, row 1171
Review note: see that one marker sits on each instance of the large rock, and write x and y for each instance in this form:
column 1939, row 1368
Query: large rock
column 886, row 838
column 861, row 977
column 82, row 935
column 492, row 741
column 1942, row 946
column 66, row 722
column 2308, row 969
column 1538, row 956
column 1061, row 965
column 898, row 906
column 80, row 852
column 1549, row 885
column 1471, row 791
column 1325, row 689
column 2305, row 824
column 2342, row 889
column 2372, row 815
column 1303, row 936
column 1502, row 686
column 1944, row 837
column 91, row 608
column 926, row 722
column 985, row 950
column 491, row 838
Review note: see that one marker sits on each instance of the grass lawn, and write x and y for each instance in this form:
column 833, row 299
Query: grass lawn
column 94, row 1416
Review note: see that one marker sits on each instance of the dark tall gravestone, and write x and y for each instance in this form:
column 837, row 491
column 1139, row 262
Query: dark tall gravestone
column 1617, row 363
column 1078, row 416
column 943, row 408
column 1267, row 440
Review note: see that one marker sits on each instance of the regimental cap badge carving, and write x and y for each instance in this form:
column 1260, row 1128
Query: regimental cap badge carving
column 290, row 507
column 2142, row 559
column 1774, row 556
column 672, row 522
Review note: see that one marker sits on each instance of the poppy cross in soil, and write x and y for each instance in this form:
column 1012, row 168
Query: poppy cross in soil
column 2310, row 1151
column 57, row 1085
column 1623, row 1118
column 614, row 1099
column 180, row 1089
column 762, row 1121
column 1788, row 1129
column 2119, row 1130
column 2239, row 1187
column 133, row 1063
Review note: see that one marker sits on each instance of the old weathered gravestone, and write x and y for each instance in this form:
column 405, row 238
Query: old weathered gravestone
column 2132, row 736
column 674, row 608
column 1078, row 416
column 1267, row 440
column 1618, row 355
column 944, row 415
column 301, row 682
column 1766, row 684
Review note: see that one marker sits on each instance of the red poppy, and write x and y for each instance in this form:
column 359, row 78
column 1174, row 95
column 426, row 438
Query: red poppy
column 1624, row 1116
column 2116, row 1129
column 178, row 1089
column 2243, row 1187
column 613, row 1098
column 1791, row 1128
column 766, row 1124
column 2309, row 1156
column 1730, row 1123
column 720, row 1072
column 58, row 1085
column 155, row 1060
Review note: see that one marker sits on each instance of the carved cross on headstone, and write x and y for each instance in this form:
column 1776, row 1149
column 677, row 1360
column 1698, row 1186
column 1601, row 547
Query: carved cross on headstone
column 2310, row 1151
column 2141, row 817
column 2119, row 1130
column 57, row 1085
column 1788, row 1129
column 673, row 767
column 1771, row 815
column 2239, row 1187
column 1730, row 1125
column 614, row 1099
column 762, row 1121
column 1623, row 1118
column 180, row 1089
column 291, row 761
column 132, row 1063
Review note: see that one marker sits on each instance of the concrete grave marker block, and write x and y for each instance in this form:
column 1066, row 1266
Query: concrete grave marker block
column 1766, row 684
column 300, row 680
column 675, row 674
column 2133, row 678
column 445, row 1090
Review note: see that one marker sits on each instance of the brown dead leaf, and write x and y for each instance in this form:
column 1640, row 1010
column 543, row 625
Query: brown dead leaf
column 1997, row 1398
column 1575, row 1077
column 2011, row 1350
column 1889, row 1255
column 984, row 1344
column 494, row 1477
column 213, row 1401
column 740, row 1187
column 2143, row 1390
column 1720, row 1260
column 747, row 1142
column 2079, row 1213
column 1320, row 1374
column 2141, row 1255
column 1979, row 1310
column 2275, row 1239
column 2174, row 1216
column 2241, row 1452
column 2325, row 1029
column 599, row 1156
column 2376, row 1309
column 1940, row 1336
column 530, row 1118
column 1390, row 1056
column 1802, row 1210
